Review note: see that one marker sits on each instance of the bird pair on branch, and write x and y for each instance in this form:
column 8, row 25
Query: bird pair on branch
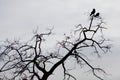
column 93, row 13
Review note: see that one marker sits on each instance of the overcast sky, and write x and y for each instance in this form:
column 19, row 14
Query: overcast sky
column 18, row 19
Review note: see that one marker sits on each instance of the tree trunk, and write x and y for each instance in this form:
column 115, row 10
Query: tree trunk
column 45, row 77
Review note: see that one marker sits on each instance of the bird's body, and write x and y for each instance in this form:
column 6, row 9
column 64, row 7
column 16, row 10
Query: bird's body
column 97, row 14
column 93, row 12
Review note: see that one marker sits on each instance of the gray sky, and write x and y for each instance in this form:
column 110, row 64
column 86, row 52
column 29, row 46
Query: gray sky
column 18, row 19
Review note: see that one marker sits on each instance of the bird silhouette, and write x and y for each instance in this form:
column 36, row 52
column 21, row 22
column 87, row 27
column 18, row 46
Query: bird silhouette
column 93, row 12
column 97, row 15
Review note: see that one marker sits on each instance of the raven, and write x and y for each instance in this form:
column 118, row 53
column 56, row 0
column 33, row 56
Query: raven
column 93, row 12
column 97, row 14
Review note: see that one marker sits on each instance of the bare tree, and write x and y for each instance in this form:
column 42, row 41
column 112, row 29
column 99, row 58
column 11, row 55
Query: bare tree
column 28, row 61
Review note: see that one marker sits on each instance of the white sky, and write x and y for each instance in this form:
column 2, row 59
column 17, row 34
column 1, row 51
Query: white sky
column 18, row 19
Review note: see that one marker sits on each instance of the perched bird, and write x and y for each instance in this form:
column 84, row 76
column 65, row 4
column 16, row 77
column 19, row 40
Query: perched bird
column 97, row 15
column 93, row 12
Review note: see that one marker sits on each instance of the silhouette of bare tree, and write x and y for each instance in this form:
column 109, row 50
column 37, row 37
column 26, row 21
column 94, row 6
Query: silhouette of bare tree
column 28, row 59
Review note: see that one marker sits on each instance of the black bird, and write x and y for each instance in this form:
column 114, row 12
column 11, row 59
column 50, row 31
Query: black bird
column 93, row 12
column 97, row 14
